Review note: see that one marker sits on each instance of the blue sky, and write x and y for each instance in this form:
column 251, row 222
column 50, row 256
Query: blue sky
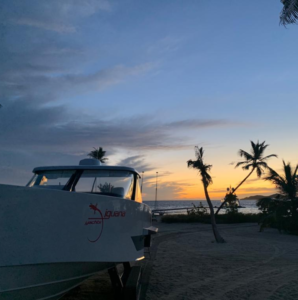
column 146, row 80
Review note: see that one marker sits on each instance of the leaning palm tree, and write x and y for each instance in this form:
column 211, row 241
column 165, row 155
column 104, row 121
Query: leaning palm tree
column 289, row 13
column 98, row 154
column 206, row 180
column 254, row 161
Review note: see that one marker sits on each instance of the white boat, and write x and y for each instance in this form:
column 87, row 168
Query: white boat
column 68, row 223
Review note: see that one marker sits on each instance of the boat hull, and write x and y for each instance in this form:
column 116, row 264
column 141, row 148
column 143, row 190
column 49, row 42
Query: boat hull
column 45, row 281
column 52, row 240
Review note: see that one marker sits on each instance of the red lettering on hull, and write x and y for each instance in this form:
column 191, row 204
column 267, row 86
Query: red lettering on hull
column 111, row 214
column 99, row 221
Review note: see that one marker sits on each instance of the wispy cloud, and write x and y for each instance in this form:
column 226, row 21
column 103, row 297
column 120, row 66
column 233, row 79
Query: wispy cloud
column 169, row 190
column 192, row 123
column 218, row 191
column 61, row 28
column 57, row 16
column 47, row 87
column 138, row 162
column 165, row 45
column 33, row 124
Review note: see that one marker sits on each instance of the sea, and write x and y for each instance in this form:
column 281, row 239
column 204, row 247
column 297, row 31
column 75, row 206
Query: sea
column 248, row 206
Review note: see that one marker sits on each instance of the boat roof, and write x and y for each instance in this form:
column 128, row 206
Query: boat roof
column 85, row 167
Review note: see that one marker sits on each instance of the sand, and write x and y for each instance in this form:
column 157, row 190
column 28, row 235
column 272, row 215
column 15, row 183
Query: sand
column 186, row 263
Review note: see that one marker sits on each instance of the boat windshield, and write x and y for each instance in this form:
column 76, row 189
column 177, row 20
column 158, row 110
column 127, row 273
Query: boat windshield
column 106, row 182
column 51, row 179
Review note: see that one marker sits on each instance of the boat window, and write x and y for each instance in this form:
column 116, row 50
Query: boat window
column 106, row 182
column 51, row 179
column 138, row 196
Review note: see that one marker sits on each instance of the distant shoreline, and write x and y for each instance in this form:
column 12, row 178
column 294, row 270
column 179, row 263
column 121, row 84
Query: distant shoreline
column 254, row 197
column 202, row 200
column 257, row 197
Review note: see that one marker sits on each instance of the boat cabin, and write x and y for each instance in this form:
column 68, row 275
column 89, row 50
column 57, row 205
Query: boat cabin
column 90, row 177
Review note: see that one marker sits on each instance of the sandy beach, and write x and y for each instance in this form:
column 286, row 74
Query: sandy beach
column 186, row 263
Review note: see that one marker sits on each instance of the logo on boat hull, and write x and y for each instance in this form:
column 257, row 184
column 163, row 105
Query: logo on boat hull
column 95, row 222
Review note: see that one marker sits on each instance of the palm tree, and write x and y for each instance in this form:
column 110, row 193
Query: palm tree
column 289, row 13
column 286, row 184
column 254, row 161
column 207, row 180
column 98, row 154
column 281, row 211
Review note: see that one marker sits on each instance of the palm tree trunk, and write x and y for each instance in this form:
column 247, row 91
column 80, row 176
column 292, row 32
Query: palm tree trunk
column 223, row 203
column 217, row 236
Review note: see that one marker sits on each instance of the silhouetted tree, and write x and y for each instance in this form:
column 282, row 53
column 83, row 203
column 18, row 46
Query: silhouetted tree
column 289, row 13
column 203, row 169
column 281, row 211
column 232, row 201
column 98, row 154
column 199, row 210
column 286, row 184
column 105, row 188
column 254, row 161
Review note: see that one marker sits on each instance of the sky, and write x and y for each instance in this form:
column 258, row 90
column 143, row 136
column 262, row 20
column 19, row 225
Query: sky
column 147, row 81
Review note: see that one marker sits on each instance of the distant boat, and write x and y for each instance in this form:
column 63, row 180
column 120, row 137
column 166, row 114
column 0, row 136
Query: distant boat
column 68, row 223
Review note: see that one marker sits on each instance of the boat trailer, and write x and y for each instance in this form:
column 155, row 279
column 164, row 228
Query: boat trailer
column 127, row 286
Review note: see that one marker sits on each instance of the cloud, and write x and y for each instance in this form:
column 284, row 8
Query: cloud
column 16, row 164
column 218, row 191
column 137, row 162
column 55, row 15
column 61, row 28
column 42, row 64
column 99, row 79
column 169, row 190
column 165, row 45
column 183, row 124
column 56, row 127
column 47, row 87
column 33, row 131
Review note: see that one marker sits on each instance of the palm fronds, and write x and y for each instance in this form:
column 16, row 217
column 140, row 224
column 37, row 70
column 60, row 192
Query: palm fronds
column 255, row 158
column 286, row 184
column 200, row 166
column 289, row 13
column 98, row 154
column 254, row 161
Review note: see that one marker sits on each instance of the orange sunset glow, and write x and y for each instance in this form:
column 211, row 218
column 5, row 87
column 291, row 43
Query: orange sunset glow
column 177, row 182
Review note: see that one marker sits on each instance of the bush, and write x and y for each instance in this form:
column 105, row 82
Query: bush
column 278, row 213
column 199, row 210
column 220, row 219
column 232, row 202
